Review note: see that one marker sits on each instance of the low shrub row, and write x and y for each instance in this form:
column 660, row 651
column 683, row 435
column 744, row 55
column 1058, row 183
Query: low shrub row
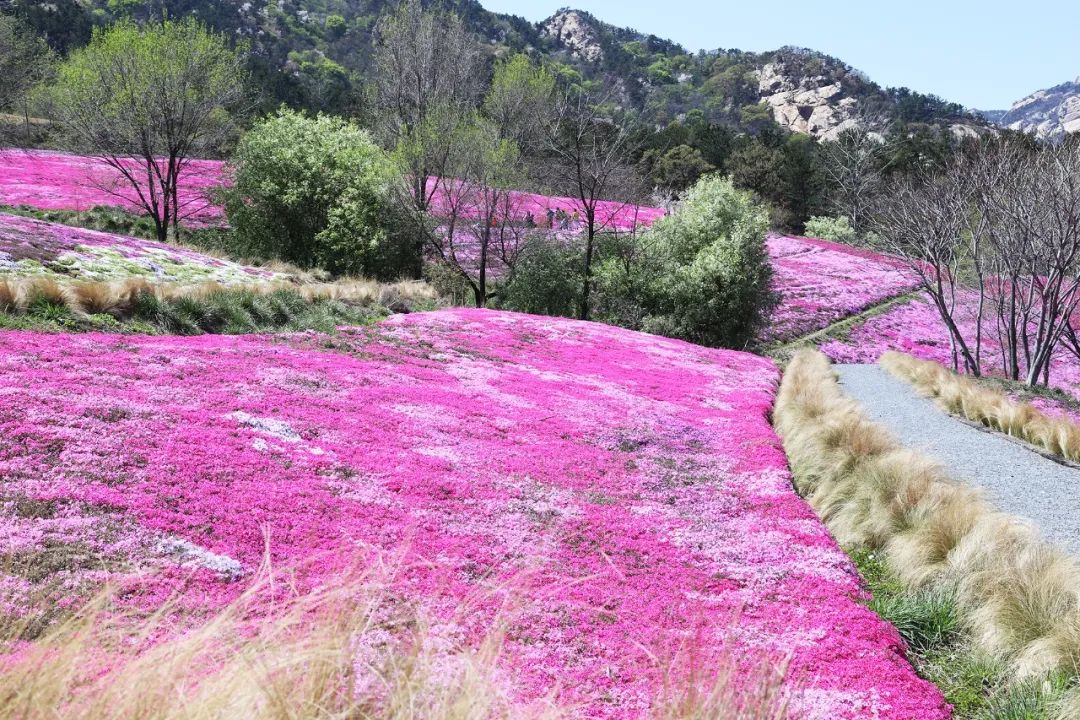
column 971, row 399
column 1016, row 598
column 140, row 306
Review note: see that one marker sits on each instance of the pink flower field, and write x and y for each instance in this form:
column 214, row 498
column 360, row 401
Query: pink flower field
column 610, row 216
column 916, row 328
column 822, row 282
column 30, row 247
column 59, row 181
column 628, row 489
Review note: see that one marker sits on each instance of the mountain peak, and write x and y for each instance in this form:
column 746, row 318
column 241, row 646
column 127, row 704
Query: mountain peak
column 1048, row 114
column 577, row 32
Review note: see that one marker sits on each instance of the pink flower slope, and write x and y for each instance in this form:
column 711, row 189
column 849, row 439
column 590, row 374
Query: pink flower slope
column 611, row 216
column 78, row 253
column 628, row 487
column 821, row 282
column 917, row 329
column 59, row 181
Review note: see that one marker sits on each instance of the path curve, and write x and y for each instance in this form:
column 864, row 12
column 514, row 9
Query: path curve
column 1015, row 479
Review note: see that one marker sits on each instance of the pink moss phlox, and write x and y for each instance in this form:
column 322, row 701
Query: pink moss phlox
column 917, row 329
column 59, row 181
column 610, row 215
column 821, row 282
column 627, row 488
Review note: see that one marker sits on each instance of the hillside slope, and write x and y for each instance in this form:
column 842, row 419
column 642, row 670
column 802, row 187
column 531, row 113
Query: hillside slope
column 1048, row 114
column 625, row 491
column 316, row 53
column 35, row 248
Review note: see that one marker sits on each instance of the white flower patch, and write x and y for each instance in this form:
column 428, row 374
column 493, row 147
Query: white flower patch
column 275, row 428
column 443, row 452
column 188, row 554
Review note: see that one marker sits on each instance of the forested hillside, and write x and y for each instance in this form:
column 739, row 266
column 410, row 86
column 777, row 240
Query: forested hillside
column 740, row 112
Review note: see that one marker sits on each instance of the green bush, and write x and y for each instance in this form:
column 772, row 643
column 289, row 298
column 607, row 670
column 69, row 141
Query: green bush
column 318, row 192
column 546, row 281
column 837, row 229
column 701, row 274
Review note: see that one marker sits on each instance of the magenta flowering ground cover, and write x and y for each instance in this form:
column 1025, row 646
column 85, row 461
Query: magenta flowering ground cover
column 60, row 181
column 35, row 248
column 821, row 282
column 565, row 212
column 917, row 329
column 626, row 491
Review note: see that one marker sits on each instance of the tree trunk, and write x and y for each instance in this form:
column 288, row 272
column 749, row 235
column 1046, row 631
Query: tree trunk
column 587, row 284
column 481, row 291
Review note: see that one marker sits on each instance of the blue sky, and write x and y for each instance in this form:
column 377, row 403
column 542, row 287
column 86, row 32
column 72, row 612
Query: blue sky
column 984, row 55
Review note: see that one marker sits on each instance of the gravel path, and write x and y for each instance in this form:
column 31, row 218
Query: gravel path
column 1015, row 479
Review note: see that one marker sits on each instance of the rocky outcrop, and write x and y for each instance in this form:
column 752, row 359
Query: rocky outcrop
column 1048, row 114
column 813, row 105
column 575, row 31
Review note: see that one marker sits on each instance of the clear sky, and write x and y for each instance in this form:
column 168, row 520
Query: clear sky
column 984, row 55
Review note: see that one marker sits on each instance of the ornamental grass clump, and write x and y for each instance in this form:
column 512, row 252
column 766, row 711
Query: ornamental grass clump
column 341, row 652
column 350, row 650
column 992, row 408
column 8, row 296
column 1016, row 597
column 212, row 307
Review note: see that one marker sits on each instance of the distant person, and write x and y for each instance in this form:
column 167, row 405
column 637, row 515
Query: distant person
column 551, row 218
column 530, row 220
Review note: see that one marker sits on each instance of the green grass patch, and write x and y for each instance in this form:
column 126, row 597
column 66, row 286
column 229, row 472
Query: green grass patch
column 978, row 687
column 225, row 312
column 840, row 330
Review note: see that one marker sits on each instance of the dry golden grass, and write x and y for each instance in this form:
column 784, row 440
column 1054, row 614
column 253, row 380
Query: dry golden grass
column 8, row 296
column 968, row 398
column 1018, row 596
column 355, row 651
column 321, row 655
column 118, row 297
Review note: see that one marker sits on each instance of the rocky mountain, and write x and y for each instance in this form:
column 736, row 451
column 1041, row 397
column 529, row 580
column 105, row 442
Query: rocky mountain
column 576, row 32
column 814, row 105
column 318, row 54
column 1049, row 114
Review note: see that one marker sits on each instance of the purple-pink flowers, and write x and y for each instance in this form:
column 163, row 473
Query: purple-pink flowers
column 627, row 490
column 821, row 282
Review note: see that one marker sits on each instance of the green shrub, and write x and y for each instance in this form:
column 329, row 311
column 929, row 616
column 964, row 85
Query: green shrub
column 318, row 192
column 837, row 229
column 701, row 274
column 546, row 281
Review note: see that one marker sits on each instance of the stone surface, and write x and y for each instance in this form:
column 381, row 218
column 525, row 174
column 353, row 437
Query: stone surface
column 1048, row 114
column 814, row 105
column 576, row 33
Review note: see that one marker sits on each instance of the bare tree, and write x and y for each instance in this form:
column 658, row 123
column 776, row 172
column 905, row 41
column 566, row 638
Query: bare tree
column 930, row 221
column 146, row 101
column 479, row 212
column 1004, row 224
column 854, row 163
column 427, row 82
column 1033, row 224
column 588, row 158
